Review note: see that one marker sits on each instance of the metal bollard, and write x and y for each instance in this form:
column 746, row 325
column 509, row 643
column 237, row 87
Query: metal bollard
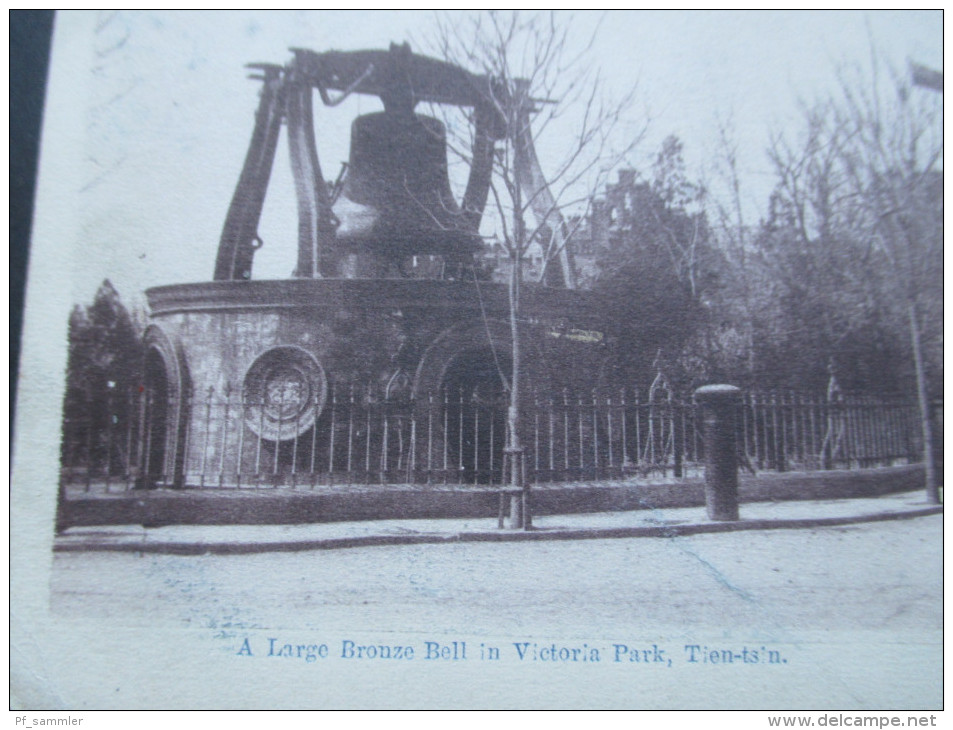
column 719, row 407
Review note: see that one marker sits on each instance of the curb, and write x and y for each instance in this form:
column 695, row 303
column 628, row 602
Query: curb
column 157, row 508
column 239, row 548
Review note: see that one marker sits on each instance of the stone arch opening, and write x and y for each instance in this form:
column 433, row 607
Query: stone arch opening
column 164, row 412
column 471, row 336
column 466, row 356
column 475, row 399
column 156, row 421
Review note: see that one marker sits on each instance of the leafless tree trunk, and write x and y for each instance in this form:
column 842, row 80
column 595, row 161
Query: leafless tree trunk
column 923, row 400
column 870, row 169
column 733, row 236
column 542, row 76
column 898, row 147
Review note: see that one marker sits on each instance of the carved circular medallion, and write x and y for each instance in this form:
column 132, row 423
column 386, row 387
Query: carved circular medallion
column 285, row 391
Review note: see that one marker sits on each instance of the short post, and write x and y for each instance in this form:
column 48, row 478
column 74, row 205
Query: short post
column 518, row 492
column 719, row 406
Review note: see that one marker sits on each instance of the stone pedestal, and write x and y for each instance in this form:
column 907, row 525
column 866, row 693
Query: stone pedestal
column 273, row 382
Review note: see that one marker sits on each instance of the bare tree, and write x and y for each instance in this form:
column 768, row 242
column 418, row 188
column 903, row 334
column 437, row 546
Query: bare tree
column 732, row 234
column 543, row 85
column 861, row 193
column 813, row 245
column 893, row 162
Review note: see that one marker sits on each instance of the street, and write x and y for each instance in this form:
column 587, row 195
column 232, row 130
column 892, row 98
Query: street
column 878, row 576
column 829, row 617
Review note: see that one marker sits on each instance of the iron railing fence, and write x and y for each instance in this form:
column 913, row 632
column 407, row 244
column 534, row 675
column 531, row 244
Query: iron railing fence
column 796, row 432
column 356, row 436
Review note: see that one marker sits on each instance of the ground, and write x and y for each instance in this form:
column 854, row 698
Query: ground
column 823, row 618
column 872, row 576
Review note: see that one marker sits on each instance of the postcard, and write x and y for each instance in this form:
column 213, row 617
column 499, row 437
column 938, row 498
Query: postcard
column 484, row 360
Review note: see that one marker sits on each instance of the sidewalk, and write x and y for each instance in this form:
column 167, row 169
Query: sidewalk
column 224, row 539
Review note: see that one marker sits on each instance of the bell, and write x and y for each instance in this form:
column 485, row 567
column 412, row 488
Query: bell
column 396, row 200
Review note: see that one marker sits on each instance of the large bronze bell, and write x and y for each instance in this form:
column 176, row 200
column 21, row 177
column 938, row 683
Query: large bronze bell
column 396, row 200
column 395, row 203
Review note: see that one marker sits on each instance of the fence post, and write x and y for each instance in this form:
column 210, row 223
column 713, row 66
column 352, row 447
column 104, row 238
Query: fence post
column 719, row 408
column 678, row 419
column 936, row 417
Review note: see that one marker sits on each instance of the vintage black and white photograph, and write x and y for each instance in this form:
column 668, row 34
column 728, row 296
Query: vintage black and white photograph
column 484, row 360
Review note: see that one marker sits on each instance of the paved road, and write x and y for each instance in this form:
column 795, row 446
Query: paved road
column 837, row 618
column 874, row 576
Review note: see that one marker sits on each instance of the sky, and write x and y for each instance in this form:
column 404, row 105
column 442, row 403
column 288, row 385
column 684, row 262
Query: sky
column 164, row 110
